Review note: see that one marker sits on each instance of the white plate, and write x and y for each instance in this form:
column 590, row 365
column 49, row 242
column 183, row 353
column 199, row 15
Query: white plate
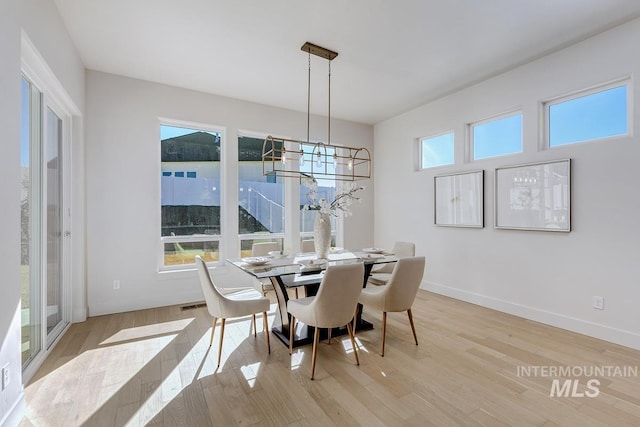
column 277, row 254
column 309, row 263
column 372, row 256
column 256, row 260
column 373, row 250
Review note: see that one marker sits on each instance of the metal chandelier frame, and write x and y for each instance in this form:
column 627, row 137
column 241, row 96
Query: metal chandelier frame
column 283, row 157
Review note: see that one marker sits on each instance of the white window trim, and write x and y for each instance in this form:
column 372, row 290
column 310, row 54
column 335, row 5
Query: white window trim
column 422, row 138
column 38, row 72
column 163, row 121
column 469, row 158
column 291, row 198
column 544, row 142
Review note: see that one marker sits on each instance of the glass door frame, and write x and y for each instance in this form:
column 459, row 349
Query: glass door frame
column 64, row 261
column 54, row 97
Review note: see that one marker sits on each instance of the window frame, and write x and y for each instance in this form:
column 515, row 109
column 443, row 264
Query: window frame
column 263, row 236
column 545, row 107
column 497, row 117
column 219, row 238
column 434, row 136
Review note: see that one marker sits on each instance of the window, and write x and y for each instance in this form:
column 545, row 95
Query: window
column 497, row 137
column 190, row 207
column 326, row 190
column 599, row 114
column 260, row 198
column 436, row 151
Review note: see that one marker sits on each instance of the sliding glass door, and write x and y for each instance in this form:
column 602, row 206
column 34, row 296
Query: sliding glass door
column 30, row 221
column 54, row 226
column 44, row 219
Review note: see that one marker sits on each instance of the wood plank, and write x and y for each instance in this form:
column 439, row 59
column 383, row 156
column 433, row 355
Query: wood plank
column 154, row 367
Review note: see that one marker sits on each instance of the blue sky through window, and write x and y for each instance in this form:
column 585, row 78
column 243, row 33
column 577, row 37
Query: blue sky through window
column 497, row 137
column 598, row 115
column 437, row 151
column 25, row 134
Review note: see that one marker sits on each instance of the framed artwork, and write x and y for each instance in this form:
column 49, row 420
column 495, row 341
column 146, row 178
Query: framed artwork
column 459, row 199
column 536, row 196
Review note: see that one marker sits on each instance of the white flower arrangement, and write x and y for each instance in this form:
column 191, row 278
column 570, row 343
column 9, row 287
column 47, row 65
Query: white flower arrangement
column 340, row 206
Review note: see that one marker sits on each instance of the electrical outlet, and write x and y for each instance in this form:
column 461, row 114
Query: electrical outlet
column 598, row 302
column 5, row 376
column 116, row 284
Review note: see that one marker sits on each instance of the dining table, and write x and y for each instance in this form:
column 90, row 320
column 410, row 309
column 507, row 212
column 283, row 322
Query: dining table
column 306, row 270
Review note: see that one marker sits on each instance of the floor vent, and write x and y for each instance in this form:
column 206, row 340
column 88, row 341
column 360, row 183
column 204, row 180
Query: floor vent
column 192, row 306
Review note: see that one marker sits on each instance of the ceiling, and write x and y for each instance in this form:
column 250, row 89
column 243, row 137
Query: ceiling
column 393, row 55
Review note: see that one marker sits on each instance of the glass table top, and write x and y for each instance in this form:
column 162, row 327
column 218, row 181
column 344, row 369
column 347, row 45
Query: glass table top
column 305, row 263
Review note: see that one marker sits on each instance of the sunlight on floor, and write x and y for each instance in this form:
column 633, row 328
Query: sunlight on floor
column 142, row 332
column 136, row 373
column 348, row 348
column 250, row 373
column 296, row 359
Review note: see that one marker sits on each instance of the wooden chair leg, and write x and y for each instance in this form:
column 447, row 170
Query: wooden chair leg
column 355, row 317
column 213, row 329
column 221, row 339
column 255, row 332
column 353, row 343
column 413, row 328
column 316, row 337
column 292, row 327
column 266, row 330
column 384, row 330
column 329, row 336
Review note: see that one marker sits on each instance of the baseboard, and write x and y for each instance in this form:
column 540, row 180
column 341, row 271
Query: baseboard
column 125, row 305
column 14, row 415
column 79, row 315
column 581, row 326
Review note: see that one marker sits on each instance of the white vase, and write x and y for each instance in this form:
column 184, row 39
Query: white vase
column 322, row 235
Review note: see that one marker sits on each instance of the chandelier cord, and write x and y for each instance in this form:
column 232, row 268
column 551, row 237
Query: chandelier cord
column 329, row 108
column 309, row 97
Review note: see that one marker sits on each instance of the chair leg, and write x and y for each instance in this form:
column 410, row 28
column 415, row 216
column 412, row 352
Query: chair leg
column 329, row 336
column 353, row 343
column 292, row 327
column 384, row 330
column 221, row 339
column 213, row 329
column 413, row 328
column 355, row 317
column 296, row 289
column 255, row 331
column 266, row 329
column 316, row 336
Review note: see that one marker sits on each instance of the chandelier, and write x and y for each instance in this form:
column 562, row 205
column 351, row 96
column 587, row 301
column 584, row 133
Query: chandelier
column 295, row 158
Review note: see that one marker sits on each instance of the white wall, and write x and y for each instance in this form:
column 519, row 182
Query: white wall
column 123, row 183
column 544, row 276
column 40, row 20
column 10, row 212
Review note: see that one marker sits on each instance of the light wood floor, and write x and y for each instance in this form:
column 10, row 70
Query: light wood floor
column 154, row 367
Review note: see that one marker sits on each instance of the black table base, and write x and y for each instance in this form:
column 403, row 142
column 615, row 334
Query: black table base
column 303, row 334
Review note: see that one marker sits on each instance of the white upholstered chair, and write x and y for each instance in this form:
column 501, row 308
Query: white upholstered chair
column 262, row 249
column 307, row 246
column 237, row 304
column 380, row 274
column 399, row 293
column 332, row 307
